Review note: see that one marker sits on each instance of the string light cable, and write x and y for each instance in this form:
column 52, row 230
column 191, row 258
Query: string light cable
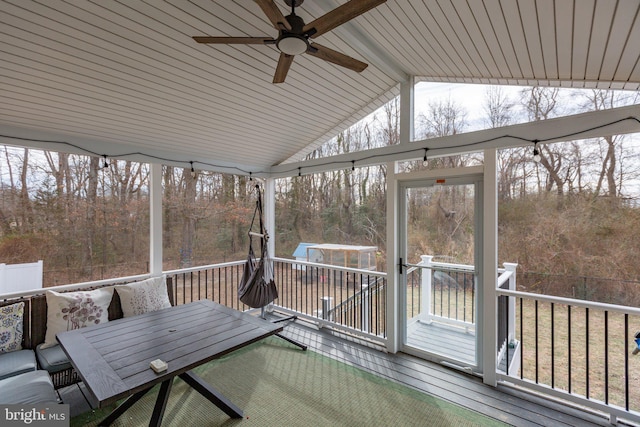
column 298, row 169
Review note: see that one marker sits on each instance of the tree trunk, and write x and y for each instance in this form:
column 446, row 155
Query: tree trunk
column 188, row 219
column 91, row 223
column 25, row 202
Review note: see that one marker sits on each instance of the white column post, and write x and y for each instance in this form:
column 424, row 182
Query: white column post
column 425, row 291
column 155, row 226
column 394, row 336
column 511, row 331
column 489, row 326
column 270, row 213
column 407, row 103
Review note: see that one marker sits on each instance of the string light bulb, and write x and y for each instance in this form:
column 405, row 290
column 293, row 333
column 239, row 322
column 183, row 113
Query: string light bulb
column 536, row 152
column 353, row 165
column 425, row 162
column 193, row 171
column 105, row 164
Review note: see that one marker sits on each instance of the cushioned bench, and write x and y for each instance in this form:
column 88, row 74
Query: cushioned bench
column 51, row 359
column 20, row 380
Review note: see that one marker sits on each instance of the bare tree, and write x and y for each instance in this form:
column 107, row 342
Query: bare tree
column 541, row 103
column 443, row 118
column 25, row 202
column 188, row 217
column 90, row 225
column 498, row 107
column 610, row 148
column 499, row 110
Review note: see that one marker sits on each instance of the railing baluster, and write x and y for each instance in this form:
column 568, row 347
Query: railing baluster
column 606, row 357
column 206, row 284
column 226, row 287
column 553, row 363
column 626, row 362
column 220, row 286
column 456, row 293
column 191, row 286
column 199, row 284
column 473, row 297
column 506, row 345
column 537, row 342
column 184, row 290
column 588, row 332
column 569, row 345
column 521, row 339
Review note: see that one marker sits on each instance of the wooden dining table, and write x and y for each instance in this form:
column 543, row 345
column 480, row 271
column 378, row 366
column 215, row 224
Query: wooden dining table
column 113, row 359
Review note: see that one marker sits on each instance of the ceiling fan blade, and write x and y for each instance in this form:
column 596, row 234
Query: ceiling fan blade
column 335, row 57
column 273, row 13
column 234, row 40
column 339, row 16
column 284, row 63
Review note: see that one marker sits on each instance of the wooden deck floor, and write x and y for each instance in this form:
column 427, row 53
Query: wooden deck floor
column 450, row 342
column 503, row 403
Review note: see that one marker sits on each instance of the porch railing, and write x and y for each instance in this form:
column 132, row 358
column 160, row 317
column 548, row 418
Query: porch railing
column 346, row 298
column 578, row 351
column 445, row 293
column 575, row 350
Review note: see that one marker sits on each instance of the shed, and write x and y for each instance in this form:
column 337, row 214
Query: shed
column 300, row 254
column 352, row 256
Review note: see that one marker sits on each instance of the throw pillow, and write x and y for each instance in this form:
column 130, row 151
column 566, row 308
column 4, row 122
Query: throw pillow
column 11, row 327
column 144, row 296
column 75, row 310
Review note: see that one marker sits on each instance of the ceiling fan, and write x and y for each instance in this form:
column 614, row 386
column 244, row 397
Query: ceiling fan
column 294, row 35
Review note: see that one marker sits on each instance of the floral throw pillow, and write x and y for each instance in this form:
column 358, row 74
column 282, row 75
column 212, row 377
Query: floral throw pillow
column 144, row 296
column 11, row 327
column 75, row 310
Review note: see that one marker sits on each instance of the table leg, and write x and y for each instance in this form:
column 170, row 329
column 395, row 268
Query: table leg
column 161, row 403
column 120, row 409
column 212, row 395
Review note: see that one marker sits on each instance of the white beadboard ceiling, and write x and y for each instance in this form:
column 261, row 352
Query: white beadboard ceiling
column 121, row 77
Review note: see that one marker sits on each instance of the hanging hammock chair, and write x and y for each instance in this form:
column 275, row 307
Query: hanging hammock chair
column 257, row 287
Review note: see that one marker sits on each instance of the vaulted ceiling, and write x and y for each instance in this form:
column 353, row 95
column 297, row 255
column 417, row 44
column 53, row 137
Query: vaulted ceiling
column 126, row 79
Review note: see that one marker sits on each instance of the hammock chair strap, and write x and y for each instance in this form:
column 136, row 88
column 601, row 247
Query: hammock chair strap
column 257, row 287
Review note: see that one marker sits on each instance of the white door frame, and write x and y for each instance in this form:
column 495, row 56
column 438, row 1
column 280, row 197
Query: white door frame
column 486, row 246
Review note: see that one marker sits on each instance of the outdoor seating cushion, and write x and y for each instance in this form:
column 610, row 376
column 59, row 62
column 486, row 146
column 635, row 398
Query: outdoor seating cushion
column 52, row 359
column 74, row 310
column 144, row 296
column 28, row 388
column 11, row 327
column 16, row 363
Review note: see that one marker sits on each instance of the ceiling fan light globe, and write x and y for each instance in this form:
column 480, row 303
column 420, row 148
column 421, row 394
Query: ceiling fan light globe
column 292, row 45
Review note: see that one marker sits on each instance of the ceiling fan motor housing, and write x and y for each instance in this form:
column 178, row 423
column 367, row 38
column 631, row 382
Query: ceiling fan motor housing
column 293, row 42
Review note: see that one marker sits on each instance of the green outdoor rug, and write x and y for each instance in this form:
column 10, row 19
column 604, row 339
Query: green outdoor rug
column 279, row 385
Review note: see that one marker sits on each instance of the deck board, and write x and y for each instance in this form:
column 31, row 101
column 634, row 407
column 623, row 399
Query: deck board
column 453, row 343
